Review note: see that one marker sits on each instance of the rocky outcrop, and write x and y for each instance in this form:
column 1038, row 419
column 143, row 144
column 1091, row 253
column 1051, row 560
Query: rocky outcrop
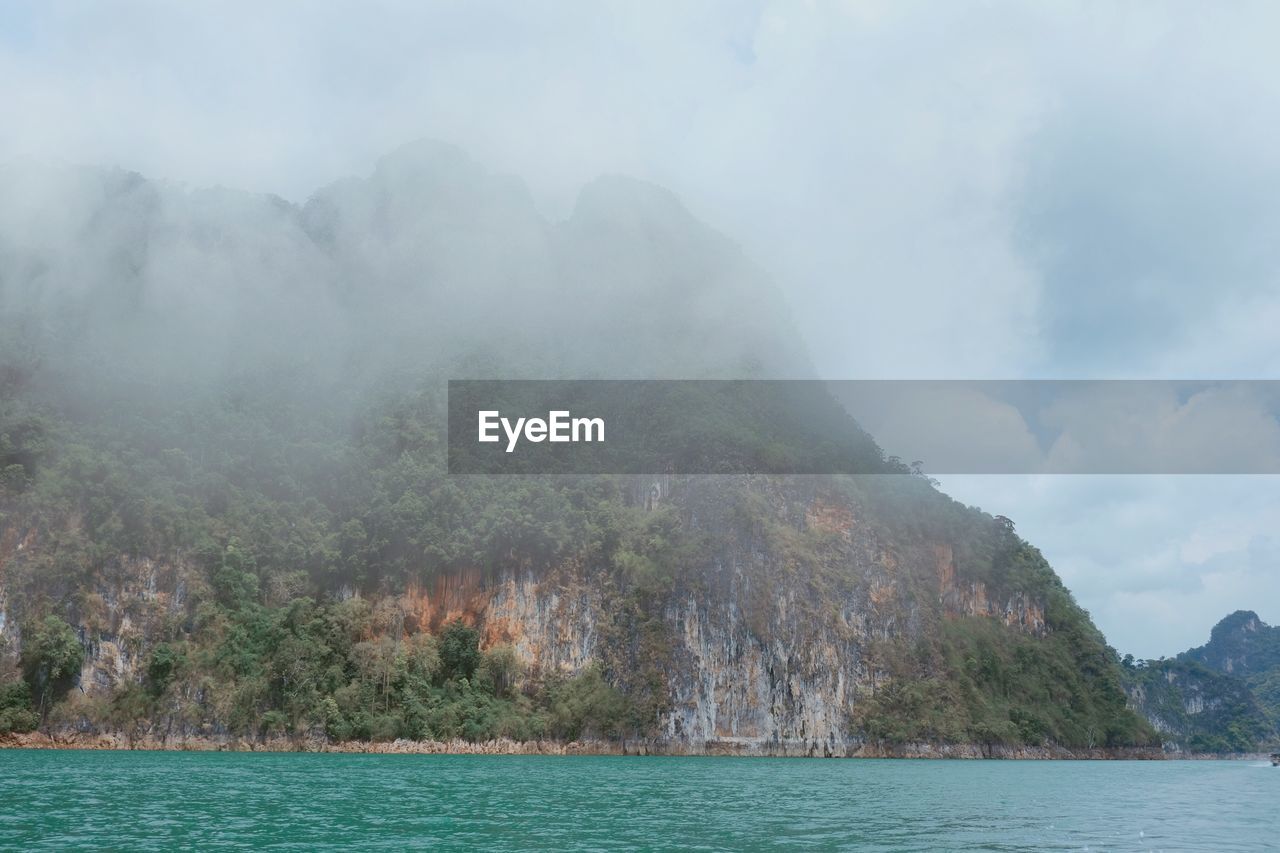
column 505, row 746
column 130, row 601
column 553, row 624
column 1196, row 709
column 961, row 598
column 1241, row 644
column 1221, row 697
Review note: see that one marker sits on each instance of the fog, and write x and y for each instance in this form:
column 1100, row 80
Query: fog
column 429, row 262
column 888, row 191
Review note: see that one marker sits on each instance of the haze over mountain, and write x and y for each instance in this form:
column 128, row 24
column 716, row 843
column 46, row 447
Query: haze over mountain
column 225, row 512
column 958, row 197
column 430, row 258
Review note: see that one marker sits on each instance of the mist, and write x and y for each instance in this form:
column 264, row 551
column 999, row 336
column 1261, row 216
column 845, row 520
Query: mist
column 429, row 262
column 933, row 193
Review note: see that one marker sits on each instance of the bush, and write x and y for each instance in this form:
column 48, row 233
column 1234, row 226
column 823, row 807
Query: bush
column 16, row 715
column 459, row 650
column 165, row 662
column 51, row 660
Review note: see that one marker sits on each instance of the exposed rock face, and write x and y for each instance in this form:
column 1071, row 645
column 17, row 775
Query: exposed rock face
column 771, row 652
column 1017, row 610
column 118, row 617
column 553, row 624
column 789, row 692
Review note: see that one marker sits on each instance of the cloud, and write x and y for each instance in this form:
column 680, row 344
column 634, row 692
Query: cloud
column 942, row 190
column 1150, row 187
column 1077, row 427
column 947, row 426
column 1146, row 428
column 874, row 192
column 946, row 191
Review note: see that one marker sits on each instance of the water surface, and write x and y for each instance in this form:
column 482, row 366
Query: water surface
column 59, row 800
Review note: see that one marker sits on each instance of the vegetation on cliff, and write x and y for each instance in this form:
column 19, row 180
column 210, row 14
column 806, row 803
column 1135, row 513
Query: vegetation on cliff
column 1244, row 646
column 1223, row 696
column 975, row 680
column 1197, row 709
column 269, row 643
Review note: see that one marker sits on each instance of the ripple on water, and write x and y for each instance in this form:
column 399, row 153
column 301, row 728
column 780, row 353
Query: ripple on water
column 151, row 801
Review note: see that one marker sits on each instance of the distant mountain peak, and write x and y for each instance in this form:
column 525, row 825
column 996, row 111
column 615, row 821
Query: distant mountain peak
column 1219, row 697
column 1240, row 644
column 1241, row 620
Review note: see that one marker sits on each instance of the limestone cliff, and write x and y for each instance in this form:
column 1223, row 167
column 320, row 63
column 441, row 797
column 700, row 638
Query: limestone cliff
column 1198, row 710
column 1221, row 697
column 770, row 644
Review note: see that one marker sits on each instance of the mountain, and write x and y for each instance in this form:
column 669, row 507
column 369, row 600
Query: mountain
column 1223, row 696
column 225, row 516
column 1243, row 645
column 1196, row 709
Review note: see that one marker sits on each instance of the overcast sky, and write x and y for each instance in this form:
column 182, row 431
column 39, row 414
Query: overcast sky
column 943, row 190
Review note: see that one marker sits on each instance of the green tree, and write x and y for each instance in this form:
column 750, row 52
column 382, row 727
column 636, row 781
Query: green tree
column 51, row 659
column 165, row 662
column 235, row 582
column 499, row 670
column 15, row 708
column 459, row 650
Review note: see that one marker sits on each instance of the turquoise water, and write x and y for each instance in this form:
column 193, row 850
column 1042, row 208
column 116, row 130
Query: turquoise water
column 159, row 801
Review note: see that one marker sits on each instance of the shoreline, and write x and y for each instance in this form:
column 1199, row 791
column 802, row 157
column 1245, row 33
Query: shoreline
column 738, row 748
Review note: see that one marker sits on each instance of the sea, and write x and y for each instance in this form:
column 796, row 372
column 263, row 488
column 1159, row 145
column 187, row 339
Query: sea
column 118, row 800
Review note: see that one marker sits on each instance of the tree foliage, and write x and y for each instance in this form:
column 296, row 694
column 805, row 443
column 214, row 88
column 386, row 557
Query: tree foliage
column 51, row 659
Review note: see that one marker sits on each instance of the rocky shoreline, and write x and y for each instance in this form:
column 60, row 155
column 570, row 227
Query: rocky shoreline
column 745, row 748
